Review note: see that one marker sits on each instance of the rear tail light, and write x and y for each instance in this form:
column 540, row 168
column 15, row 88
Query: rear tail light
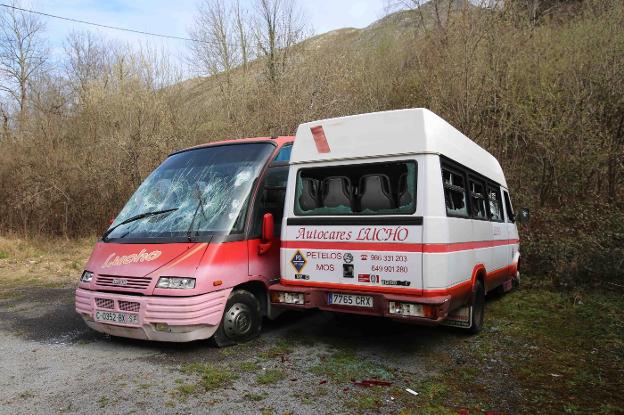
column 287, row 298
column 410, row 309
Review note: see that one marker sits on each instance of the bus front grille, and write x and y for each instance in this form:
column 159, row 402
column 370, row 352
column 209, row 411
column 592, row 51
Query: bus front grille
column 123, row 282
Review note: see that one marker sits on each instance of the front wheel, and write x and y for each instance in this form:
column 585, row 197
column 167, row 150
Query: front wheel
column 242, row 319
column 478, row 309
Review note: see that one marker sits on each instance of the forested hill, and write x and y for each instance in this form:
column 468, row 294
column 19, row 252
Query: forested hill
column 538, row 84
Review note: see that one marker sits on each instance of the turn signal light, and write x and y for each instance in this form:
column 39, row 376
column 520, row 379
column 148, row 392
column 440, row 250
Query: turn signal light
column 161, row 327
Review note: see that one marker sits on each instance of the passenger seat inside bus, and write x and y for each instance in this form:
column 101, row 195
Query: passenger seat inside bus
column 337, row 191
column 375, row 193
column 309, row 198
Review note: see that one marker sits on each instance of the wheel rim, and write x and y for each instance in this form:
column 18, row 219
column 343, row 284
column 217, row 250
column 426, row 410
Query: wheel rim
column 238, row 320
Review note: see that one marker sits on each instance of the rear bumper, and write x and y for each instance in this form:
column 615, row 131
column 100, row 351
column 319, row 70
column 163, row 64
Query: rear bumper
column 317, row 298
column 172, row 319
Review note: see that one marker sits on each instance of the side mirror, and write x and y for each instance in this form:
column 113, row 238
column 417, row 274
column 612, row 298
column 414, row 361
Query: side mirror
column 268, row 224
column 523, row 216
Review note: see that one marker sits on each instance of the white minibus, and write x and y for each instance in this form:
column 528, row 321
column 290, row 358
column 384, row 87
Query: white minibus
column 395, row 214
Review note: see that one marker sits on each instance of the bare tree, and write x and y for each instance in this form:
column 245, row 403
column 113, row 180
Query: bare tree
column 241, row 23
column 87, row 59
column 23, row 54
column 213, row 27
column 279, row 26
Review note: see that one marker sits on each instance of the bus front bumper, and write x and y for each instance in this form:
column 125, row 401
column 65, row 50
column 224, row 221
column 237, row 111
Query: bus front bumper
column 437, row 308
column 170, row 319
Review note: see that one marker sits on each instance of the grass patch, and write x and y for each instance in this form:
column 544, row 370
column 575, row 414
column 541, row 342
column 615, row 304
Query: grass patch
column 309, row 398
column 103, row 401
column 256, row 397
column 574, row 343
column 562, row 352
column 432, row 390
column 187, row 389
column 343, row 366
column 42, row 262
column 271, row 376
column 249, row 367
column 364, row 402
column 210, row 377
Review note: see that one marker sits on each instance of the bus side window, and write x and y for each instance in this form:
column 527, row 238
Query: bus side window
column 478, row 200
column 454, row 193
column 508, row 208
column 271, row 199
column 496, row 213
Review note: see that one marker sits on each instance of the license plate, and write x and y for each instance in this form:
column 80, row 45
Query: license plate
column 350, row 300
column 115, row 317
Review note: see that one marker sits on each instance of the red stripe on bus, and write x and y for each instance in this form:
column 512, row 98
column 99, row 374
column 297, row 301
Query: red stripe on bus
column 398, row 247
column 457, row 290
column 464, row 246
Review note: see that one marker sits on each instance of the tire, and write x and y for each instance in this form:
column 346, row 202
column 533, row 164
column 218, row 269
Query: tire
column 478, row 308
column 516, row 281
column 241, row 321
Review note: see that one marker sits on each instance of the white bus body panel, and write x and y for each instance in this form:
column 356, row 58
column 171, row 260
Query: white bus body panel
column 441, row 255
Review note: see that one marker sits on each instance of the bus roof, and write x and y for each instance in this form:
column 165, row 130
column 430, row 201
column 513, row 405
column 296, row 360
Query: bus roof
column 279, row 140
column 391, row 133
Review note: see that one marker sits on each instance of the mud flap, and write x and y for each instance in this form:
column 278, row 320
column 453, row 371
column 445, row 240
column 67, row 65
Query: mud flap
column 461, row 317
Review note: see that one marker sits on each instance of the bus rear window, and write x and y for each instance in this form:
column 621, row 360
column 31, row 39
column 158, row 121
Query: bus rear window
column 361, row 189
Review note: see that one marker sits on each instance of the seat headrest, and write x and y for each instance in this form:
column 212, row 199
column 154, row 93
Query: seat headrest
column 309, row 198
column 337, row 191
column 375, row 192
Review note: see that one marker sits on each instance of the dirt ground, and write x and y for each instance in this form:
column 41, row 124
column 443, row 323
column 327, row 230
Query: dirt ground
column 540, row 353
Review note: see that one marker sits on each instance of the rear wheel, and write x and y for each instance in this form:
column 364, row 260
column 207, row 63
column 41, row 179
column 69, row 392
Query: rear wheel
column 242, row 319
column 478, row 308
column 516, row 281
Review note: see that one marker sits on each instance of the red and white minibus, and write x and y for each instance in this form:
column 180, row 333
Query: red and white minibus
column 192, row 253
column 395, row 214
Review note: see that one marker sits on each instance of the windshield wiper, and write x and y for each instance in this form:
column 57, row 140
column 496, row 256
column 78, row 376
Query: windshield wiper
column 200, row 206
column 135, row 218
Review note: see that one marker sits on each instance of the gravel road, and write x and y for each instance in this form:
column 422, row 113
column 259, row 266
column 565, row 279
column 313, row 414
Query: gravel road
column 303, row 363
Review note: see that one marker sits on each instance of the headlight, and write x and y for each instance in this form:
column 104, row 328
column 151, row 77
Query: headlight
column 87, row 276
column 176, row 283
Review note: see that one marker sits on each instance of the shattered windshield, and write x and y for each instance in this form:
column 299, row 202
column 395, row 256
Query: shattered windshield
column 205, row 190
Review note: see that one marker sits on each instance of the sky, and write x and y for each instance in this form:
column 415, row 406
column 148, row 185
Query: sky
column 173, row 17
